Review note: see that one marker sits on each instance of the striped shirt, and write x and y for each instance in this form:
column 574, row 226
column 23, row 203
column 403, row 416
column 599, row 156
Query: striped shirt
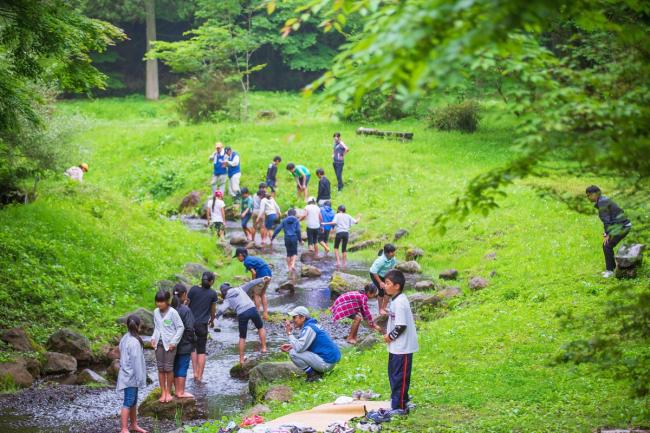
column 351, row 303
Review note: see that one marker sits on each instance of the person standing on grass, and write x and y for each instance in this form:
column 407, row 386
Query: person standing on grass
column 132, row 374
column 269, row 213
column 239, row 300
column 382, row 264
column 186, row 345
column 216, row 214
column 246, row 214
column 301, row 176
column 272, row 174
column 354, row 305
column 324, row 193
column 342, row 221
column 402, row 340
column 327, row 215
column 219, row 170
column 313, row 351
column 616, row 225
column 203, row 304
column 338, row 154
column 292, row 235
column 234, row 172
column 258, row 269
column 168, row 331
column 314, row 219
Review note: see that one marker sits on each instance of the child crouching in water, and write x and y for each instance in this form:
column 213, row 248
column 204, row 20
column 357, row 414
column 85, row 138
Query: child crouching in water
column 132, row 375
column 354, row 305
column 168, row 330
column 402, row 340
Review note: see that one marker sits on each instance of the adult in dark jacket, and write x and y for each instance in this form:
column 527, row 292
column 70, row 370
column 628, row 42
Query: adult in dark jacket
column 615, row 223
column 292, row 235
column 186, row 345
column 324, row 193
column 203, row 303
column 313, row 351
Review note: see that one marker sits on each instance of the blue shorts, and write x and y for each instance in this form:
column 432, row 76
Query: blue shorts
column 181, row 364
column 246, row 219
column 130, row 397
column 269, row 221
column 291, row 244
column 271, row 185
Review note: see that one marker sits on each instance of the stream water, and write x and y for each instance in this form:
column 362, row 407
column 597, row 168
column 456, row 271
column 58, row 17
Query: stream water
column 59, row 407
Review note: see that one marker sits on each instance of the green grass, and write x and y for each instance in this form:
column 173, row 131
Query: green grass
column 485, row 365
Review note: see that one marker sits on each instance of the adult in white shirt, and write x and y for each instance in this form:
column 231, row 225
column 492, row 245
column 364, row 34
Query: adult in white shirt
column 314, row 219
column 234, row 172
column 219, row 172
column 269, row 213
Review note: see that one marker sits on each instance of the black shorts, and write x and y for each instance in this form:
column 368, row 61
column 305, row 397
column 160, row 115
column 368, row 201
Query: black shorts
column 324, row 236
column 243, row 318
column 341, row 239
column 380, row 291
column 201, row 331
column 271, row 185
column 292, row 246
column 312, row 236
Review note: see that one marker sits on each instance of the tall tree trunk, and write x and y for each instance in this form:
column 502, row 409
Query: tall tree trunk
column 152, row 64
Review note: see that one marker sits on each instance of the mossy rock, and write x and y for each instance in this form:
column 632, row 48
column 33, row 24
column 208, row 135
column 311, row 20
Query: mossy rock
column 178, row 408
column 342, row 283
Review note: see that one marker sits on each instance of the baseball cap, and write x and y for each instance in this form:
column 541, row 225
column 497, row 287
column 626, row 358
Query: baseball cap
column 241, row 250
column 224, row 288
column 299, row 311
column 84, row 166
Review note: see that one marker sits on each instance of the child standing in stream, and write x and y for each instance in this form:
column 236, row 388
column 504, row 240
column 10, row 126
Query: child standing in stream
column 132, row 375
column 186, row 345
column 168, row 331
column 342, row 221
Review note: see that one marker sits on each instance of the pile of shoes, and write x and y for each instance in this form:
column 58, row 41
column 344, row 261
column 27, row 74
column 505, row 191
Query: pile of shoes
column 339, row 427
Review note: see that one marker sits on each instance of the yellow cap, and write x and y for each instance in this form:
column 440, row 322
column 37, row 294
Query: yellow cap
column 84, row 166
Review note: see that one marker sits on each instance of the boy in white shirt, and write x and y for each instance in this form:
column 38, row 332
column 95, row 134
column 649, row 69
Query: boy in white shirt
column 217, row 214
column 402, row 340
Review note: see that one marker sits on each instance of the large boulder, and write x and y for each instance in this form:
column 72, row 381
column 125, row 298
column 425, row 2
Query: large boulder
column 424, row 285
column 308, row 271
column 399, row 234
column 410, row 267
column 238, row 239
column 307, row 256
column 183, row 408
column 419, row 300
column 113, row 370
column 368, row 342
column 70, row 342
column 449, row 274
column 362, row 245
column 232, row 213
column 32, row 365
column 278, row 393
column 450, row 292
column 195, row 270
column 477, row 283
column 58, row 363
column 241, row 371
column 269, row 372
column 413, row 253
column 146, row 320
column 18, row 340
column 87, row 377
column 17, row 373
column 287, row 286
column 189, row 202
column 628, row 259
column 225, row 247
column 342, row 283
column 167, row 285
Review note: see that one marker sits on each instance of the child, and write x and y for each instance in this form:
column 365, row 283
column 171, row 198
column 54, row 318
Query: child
column 382, row 264
column 247, row 213
column 272, row 173
column 292, row 235
column 269, row 211
column 132, row 375
column 257, row 200
column 354, row 305
column 238, row 299
column 217, row 214
column 342, row 222
column 186, row 345
column 327, row 215
column 314, row 219
column 258, row 269
column 168, row 330
column 402, row 340
column 324, row 193
column 301, row 175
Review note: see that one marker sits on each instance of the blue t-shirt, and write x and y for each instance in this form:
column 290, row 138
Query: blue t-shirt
column 262, row 269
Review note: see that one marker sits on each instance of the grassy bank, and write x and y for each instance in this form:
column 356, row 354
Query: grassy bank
column 485, row 365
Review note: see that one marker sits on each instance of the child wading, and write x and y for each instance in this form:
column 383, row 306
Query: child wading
column 272, row 174
column 168, row 330
column 327, row 216
column 246, row 214
column 258, row 269
column 238, row 299
column 186, row 345
column 402, row 340
column 292, row 235
column 269, row 212
column 342, row 222
column 132, row 375
column 314, row 220
column 354, row 305
column 382, row 264
column 216, row 213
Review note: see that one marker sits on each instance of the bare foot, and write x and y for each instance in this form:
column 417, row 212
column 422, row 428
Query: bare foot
column 169, row 398
column 351, row 341
column 125, row 431
column 163, row 399
column 265, row 316
column 184, row 395
column 138, row 429
column 383, row 312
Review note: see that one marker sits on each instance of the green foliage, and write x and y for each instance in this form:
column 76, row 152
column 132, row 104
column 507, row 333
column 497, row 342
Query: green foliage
column 463, row 116
column 207, row 97
column 376, row 106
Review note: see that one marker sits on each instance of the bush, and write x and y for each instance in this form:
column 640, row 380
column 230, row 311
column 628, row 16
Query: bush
column 375, row 106
column 208, row 97
column 464, row 116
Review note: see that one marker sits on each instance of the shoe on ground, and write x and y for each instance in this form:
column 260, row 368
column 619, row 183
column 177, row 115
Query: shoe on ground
column 313, row 376
column 410, row 406
column 608, row 274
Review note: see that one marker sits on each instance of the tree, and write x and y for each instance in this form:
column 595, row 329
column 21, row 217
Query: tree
column 44, row 48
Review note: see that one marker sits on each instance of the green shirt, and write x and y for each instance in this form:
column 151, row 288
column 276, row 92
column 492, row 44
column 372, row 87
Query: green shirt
column 247, row 203
column 300, row 171
column 382, row 265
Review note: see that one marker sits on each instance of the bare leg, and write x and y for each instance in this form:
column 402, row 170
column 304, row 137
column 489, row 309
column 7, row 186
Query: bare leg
column 382, row 301
column 169, row 377
column 242, row 347
column 200, row 367
column 289, row 268
column 325, row 247
column 179, row 388
column 352, row 336
column 258, row 301
column 163, row 384
column 265, row 305
column 262, row 334
column 345, row 255
column 336, row 254
column 134, row 420
column 195, row 365
column 124, row 420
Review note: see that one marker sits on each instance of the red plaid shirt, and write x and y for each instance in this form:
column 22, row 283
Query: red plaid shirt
column 351, row 303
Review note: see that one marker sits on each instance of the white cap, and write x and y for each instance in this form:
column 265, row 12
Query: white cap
column 299, row 311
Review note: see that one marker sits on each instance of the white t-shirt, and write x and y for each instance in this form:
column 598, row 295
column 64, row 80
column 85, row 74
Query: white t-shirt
column 215, row 216
column 268, row 206
column 75, row 173
column 399, row 313
column 343, row 222
column 313, row 216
